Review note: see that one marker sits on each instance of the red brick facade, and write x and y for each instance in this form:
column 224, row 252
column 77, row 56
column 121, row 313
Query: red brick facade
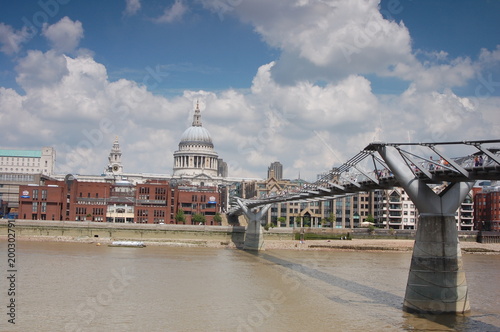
column 41, row 202
column 151, row 202
column 198, row 200
column 487, row 211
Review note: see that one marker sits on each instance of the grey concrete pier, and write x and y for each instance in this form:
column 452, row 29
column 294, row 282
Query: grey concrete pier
column 254, row 239
column 436, row 282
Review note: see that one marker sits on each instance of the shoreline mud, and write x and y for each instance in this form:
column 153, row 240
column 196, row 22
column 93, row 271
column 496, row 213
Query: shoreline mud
column 343, row 245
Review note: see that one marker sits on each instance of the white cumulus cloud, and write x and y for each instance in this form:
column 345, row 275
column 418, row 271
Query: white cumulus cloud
column 64, row 35
column 310, row 109
column 327, row 39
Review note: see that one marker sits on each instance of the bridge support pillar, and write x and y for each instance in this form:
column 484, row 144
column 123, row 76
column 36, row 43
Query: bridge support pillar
column 436, row 281
column 254, row 238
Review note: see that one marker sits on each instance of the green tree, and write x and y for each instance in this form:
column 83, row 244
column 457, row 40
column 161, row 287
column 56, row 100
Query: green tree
column 180, row 218
column 297, row 221
column 369, row 218
column 281, row 220
column 198, row 219
column 218, row 218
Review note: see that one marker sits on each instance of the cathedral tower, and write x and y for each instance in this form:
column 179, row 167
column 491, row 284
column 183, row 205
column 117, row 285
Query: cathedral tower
column 115, row 159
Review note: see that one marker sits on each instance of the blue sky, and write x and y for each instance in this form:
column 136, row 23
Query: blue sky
column 308, row 83
column 200, row 50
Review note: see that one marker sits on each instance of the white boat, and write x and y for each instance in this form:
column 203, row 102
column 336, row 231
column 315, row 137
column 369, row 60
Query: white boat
column 133, row 244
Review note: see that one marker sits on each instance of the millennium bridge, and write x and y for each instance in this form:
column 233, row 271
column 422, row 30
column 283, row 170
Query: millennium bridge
column 436, row 183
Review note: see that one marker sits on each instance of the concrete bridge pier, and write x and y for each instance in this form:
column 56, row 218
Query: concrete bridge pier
column 254, row 238
column 436, row 281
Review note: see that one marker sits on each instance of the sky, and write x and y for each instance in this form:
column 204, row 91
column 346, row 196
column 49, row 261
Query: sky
column 308, row 83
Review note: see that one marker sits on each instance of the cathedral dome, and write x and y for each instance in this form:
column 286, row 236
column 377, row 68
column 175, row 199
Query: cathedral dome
column 196, row 134
column 196, row 155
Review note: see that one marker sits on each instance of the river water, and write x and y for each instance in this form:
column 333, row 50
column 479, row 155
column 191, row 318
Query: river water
column 84, row 287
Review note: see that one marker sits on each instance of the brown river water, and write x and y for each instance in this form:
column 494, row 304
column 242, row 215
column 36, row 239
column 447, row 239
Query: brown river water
column 84, row 287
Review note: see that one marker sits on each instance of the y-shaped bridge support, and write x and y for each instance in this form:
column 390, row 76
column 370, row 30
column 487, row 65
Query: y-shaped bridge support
column 254, row 239
column 436, row 283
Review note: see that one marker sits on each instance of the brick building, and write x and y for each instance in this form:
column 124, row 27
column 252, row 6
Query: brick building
column 198, row 200
column 487, row 209
column 64, row 200
column 41, row 202
column 154, row 201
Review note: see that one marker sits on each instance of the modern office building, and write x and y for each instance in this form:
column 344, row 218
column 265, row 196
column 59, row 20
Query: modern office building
column 275, row 170
column 390, row 208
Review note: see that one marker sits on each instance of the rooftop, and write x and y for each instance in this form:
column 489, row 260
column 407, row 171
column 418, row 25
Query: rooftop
column 21, row 153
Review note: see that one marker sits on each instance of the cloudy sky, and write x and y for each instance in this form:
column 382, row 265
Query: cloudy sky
column 306, row 82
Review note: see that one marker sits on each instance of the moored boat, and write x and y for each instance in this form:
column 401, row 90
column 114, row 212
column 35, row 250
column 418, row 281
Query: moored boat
column 132, row 244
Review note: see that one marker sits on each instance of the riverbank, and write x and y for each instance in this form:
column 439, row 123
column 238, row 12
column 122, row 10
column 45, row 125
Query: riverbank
column 272, row 244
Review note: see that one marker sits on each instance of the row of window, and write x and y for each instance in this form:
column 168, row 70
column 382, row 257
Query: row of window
column 6, row 169
column 35, row 194
column 159, row 197
column 91, row 203
column 200, row 206
column 29, row 159
column 43, row 207
column 202, row 198
column 145, row 213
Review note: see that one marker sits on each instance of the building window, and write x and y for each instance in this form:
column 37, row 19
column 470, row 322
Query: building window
column 34, row 207
column 44, row 207
column 44, row 194
column 35, row 193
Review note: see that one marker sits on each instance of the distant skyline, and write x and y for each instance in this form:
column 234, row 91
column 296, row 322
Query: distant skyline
column 306, row 83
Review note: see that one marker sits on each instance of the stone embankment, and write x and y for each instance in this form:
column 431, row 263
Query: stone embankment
column 210, row 236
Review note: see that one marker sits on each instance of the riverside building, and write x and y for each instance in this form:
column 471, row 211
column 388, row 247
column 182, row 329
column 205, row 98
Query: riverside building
column 389, row 208
column 152, row 202
column 487, row 208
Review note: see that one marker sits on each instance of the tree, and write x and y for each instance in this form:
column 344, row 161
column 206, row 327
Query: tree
column 180, row 217
column 199, row 219
column 281, row 220
column 217, row 218
column 369, row 218
column 297, row 221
